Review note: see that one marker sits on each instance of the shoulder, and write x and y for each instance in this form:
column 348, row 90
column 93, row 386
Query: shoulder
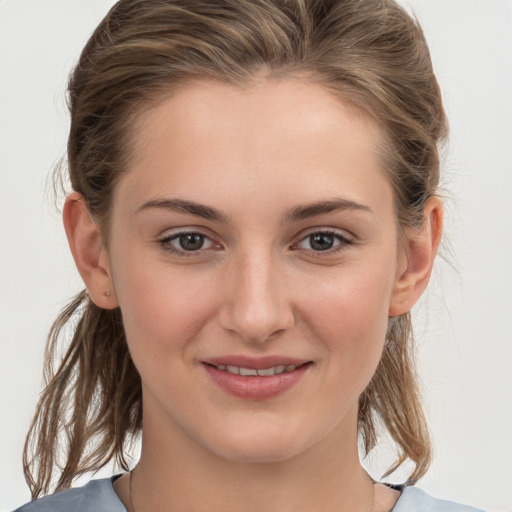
column 96, row 496
column 415, row 499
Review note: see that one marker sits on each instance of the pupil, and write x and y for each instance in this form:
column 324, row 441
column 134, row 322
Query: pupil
column 191, row 242
column 321, row 241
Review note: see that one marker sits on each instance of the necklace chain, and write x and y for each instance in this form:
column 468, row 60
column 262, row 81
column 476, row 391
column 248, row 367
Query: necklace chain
column 132, row 508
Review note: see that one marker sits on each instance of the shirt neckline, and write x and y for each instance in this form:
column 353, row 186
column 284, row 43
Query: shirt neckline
column 404, row 492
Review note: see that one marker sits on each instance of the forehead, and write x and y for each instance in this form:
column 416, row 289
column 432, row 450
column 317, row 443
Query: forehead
column 218, row 141
column 209, row 108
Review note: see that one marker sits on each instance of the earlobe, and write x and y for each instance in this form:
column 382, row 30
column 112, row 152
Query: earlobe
column 419, row 255
column 88, row 251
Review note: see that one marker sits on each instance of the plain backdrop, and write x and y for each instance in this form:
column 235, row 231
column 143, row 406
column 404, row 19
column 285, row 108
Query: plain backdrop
column 464, row 324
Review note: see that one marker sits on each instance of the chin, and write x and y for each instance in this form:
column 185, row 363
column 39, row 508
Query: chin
column 264, row 454
column 259, row 446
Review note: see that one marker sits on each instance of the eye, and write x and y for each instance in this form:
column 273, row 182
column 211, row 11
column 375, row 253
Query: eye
column 323, row 241
column 186, row 242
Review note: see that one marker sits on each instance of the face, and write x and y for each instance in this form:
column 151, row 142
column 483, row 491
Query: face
column 254, row 256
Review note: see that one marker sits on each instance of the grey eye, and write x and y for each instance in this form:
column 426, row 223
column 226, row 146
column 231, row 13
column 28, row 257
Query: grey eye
column 324, row 241
column 189, row 241
column 321, row 241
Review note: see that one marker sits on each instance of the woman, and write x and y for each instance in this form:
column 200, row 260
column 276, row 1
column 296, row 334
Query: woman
column 253, row 214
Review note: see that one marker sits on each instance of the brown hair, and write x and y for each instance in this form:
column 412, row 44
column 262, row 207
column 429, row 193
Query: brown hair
column 369, row 52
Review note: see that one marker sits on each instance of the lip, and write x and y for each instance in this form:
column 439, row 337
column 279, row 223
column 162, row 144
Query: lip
column 258, row 363
column 257, row 388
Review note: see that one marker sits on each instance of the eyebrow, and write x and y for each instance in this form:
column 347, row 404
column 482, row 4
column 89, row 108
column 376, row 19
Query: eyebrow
column 294, row 214
column 322, row 207
column 184, row 206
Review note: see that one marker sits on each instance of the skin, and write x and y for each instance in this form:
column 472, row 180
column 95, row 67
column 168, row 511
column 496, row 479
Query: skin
column 256, row 287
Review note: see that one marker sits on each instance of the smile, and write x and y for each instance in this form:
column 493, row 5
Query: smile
column 263, row 372
column 257, row 379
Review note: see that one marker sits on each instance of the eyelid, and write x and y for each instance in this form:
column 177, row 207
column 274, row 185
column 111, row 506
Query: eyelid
column 342, row 236
column 168, row 236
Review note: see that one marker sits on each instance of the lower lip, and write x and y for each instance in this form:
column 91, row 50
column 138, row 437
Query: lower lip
column 255, row 387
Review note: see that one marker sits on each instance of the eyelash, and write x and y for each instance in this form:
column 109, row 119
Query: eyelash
column 344, row 241
column 166, row 245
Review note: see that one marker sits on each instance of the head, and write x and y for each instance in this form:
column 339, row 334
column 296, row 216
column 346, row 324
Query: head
column 368, row 55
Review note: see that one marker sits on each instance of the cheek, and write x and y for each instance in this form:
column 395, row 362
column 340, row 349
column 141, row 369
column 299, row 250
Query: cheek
column 161, row 308
column 356, row 299
column 349, row 315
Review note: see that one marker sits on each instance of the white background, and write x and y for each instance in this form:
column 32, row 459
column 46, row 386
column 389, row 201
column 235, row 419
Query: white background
column 464, row 326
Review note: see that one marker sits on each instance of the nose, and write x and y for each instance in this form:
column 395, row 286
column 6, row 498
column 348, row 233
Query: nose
column 256, row 305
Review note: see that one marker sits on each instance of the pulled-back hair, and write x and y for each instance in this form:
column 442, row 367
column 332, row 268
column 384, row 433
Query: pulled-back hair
column 370, row 53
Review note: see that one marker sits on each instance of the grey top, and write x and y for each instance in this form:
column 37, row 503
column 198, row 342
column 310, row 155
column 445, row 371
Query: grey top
column 99, row 496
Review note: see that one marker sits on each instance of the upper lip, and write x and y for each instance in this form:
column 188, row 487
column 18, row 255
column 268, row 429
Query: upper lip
column 257, row 363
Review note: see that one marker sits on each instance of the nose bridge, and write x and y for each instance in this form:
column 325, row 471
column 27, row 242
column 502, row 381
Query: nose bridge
column 256, row 307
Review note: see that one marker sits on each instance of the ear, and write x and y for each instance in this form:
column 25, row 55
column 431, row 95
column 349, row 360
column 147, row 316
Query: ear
column 88, row 251
column 417, row 260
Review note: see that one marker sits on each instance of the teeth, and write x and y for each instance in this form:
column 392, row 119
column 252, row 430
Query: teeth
column 265, row 372
column 247, row 371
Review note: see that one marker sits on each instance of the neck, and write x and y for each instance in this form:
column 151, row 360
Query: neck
column 178, row 474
